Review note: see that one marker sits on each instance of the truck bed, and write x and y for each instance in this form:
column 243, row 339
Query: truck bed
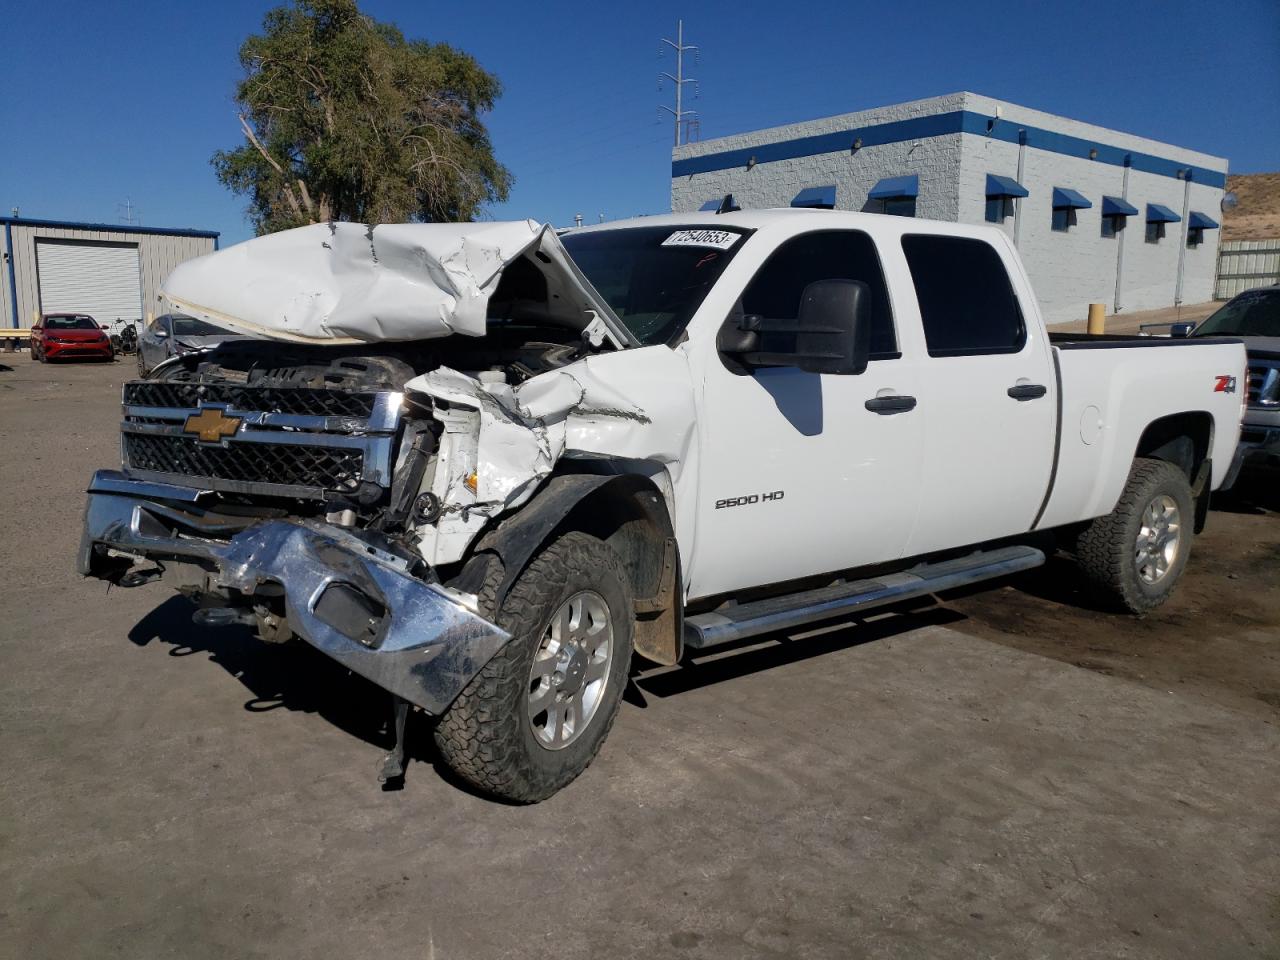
column 1105, row 341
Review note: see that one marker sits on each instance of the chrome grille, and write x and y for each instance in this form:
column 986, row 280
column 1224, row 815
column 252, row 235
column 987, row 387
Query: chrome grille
column 1264, row 383
column 289, row 441
column 295, row 465
column 303, row 401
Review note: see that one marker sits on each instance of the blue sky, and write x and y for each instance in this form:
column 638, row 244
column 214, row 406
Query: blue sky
column 105, row 100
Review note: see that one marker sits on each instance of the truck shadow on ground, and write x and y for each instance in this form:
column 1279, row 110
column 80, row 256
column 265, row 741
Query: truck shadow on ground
column 1255, row 495
column 294, row 676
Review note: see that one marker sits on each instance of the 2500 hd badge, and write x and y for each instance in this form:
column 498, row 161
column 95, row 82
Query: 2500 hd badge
column 750, row 498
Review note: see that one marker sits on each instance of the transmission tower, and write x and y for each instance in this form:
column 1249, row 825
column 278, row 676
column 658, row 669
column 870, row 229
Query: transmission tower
column 679, row 114
column 128, row 213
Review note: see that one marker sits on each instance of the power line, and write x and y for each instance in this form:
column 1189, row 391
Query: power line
column 679, row 46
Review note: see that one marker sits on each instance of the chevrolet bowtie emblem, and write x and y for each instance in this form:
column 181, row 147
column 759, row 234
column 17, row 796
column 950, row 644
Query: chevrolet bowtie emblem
column 211, row 424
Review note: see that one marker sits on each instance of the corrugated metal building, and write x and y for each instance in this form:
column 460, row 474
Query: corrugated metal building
column 110, row 272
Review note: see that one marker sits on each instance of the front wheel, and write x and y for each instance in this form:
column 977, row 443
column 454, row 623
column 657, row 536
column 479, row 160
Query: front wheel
column 1135, row 554
column 536, row 715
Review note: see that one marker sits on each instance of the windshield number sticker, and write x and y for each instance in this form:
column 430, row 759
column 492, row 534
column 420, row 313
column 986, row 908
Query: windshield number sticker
column 717, row 239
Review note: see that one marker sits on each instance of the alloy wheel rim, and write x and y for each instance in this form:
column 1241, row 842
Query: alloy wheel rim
column 1159, row 539
column 570, row 670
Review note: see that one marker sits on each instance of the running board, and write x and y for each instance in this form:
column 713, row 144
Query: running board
column 738, row 621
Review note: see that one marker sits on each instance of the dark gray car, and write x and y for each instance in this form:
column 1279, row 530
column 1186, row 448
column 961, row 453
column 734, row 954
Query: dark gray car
column 1254, row 317
column 173, row 334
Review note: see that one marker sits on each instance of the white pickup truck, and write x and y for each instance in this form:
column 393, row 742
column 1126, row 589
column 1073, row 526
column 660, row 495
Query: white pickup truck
column 482, row 465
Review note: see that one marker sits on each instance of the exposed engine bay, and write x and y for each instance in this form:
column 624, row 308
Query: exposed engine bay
column 284, row 387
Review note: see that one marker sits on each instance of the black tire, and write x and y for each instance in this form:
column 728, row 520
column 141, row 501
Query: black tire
column 486, row 735
column 1106, row 549
column 142, row 367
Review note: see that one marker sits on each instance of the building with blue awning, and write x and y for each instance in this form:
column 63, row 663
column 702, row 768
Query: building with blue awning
column 1076, row 199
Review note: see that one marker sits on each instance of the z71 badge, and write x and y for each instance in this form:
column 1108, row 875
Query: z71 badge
column 1225, row 385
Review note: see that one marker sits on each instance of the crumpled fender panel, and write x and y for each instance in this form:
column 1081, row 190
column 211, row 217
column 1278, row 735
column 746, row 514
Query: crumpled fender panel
column 635, row 407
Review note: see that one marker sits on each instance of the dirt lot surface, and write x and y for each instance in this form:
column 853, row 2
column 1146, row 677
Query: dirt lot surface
column 1007, row 773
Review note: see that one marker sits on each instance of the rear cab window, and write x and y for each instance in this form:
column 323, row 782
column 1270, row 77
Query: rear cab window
column 968, row 306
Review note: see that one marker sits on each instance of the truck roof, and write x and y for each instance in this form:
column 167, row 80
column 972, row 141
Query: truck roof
column 794, row 219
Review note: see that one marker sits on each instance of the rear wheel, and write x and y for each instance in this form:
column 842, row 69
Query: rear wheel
column 1136, row 553
column 535, row 716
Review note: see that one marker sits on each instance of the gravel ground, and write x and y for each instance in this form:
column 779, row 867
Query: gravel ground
column 1006, row 773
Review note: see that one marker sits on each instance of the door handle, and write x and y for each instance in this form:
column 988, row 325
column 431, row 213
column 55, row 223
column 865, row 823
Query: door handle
column 891, row 404
column 1028, row 391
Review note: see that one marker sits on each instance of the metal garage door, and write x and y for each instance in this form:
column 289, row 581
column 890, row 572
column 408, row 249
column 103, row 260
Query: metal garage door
column 100, row 279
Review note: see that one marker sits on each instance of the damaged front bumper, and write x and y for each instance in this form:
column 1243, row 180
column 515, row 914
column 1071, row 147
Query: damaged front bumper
column 348, row 599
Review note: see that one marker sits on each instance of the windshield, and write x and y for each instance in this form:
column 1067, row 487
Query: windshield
column 70, row 323
column 191, row 327
column 1252, row 314
column 654, row 278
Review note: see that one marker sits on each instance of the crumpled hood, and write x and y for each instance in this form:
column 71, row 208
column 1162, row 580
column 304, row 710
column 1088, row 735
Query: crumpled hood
column 349, row 282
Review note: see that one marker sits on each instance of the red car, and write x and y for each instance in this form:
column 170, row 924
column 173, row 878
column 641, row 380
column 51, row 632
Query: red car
column 60, row 335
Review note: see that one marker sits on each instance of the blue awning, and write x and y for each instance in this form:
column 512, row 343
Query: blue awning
column 1198, row 221
column 822, row 198
column 893, row 188
column 711, row 206
column 1118, row 207
column 1157, row 213
column 1065, row 197
column 998, row 186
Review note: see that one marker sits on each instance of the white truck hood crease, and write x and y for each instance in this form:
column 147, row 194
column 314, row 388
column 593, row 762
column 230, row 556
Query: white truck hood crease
column 352, row 283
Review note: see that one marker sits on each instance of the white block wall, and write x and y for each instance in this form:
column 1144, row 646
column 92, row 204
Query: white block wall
column 775, row 184
column 1068, row 270
column 1073, row 269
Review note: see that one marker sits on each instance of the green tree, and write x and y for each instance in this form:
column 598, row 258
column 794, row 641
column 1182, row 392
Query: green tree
column 345, row 119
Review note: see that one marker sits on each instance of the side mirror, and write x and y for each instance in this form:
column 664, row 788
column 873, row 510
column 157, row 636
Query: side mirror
column 1184, row 329
column 159, row 333
column 832, row 333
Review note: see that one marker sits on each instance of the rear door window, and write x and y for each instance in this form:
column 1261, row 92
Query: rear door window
column 967, row 304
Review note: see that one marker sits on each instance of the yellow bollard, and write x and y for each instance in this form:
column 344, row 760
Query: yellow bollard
column 1097, row 319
